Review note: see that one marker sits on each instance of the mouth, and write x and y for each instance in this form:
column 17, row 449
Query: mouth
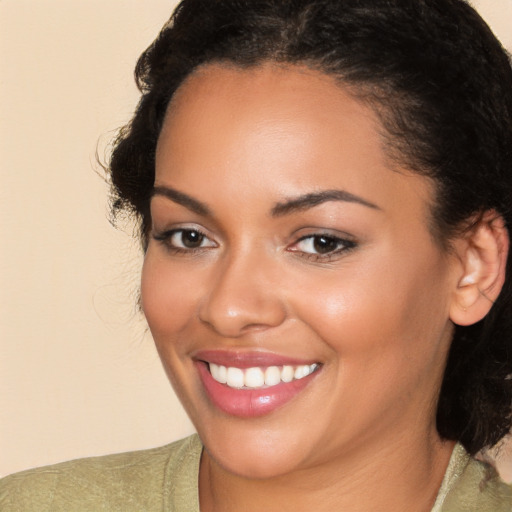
column 255, row 384
column 259, row 378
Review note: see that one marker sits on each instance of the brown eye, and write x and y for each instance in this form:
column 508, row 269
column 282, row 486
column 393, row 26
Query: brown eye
column 189, row 238
column 325, row 244
column 184, row 240
column 322, row 245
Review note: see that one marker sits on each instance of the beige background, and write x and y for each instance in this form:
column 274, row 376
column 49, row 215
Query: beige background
column 78, row 372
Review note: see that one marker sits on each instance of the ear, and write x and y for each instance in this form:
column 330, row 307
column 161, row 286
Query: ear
column 482, row 252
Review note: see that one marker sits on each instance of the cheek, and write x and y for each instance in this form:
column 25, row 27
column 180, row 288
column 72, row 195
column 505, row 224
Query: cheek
column 382, row 307
column 169, row 297
column 388, row 338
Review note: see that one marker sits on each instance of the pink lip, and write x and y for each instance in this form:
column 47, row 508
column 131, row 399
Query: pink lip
column 248, row 403
column 241, row 359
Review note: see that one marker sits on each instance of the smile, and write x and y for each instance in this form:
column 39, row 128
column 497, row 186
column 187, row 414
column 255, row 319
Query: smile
column 252, row 384
column 259, row 378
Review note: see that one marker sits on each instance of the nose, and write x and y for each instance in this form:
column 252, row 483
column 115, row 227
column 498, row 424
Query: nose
column 243, row 296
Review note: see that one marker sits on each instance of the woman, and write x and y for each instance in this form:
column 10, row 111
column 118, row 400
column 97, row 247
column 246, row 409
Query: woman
column 324, row 194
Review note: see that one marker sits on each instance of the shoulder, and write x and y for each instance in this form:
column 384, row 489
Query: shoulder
column 141, row 480
column 476, row 487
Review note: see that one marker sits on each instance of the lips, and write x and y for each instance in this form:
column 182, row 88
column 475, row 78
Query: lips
column 252, row 384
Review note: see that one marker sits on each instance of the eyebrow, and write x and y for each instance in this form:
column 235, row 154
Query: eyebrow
column 307, row 201
column 287, row 207
column 181, row 198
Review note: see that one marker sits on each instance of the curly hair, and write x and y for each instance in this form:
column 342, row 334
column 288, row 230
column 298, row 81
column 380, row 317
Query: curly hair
column 441, row 85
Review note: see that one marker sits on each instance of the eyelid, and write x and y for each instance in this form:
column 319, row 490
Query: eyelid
column 165, row 238
column 347, row 243
column 312, row 231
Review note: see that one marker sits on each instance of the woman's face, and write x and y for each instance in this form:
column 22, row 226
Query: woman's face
column 288, row 255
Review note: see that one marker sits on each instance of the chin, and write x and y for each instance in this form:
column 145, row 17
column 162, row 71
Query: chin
column 253, row 453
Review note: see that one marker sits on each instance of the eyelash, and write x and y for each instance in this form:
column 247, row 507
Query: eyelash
column 166, row 238
column 343, row 245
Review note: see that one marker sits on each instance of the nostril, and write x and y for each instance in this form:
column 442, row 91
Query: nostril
column 231, row 320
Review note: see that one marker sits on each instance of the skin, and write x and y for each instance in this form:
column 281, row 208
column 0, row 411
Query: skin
column 375, row 313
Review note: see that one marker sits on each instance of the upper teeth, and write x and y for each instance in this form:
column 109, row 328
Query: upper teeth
column 257, row 377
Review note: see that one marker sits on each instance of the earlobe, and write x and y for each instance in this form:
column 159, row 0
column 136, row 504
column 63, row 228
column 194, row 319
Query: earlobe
column 483, row 253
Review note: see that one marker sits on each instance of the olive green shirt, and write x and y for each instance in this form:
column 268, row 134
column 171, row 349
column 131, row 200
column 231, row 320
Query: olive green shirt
column 166, row 479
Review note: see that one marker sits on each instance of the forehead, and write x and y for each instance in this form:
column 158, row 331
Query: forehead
column 285, row 129
column 269, row 83
column 277, row 92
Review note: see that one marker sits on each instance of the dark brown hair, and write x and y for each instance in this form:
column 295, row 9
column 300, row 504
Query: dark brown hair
column 442, row 86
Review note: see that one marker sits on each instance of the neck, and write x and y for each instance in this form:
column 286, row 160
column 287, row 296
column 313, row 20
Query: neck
column 404, row 475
